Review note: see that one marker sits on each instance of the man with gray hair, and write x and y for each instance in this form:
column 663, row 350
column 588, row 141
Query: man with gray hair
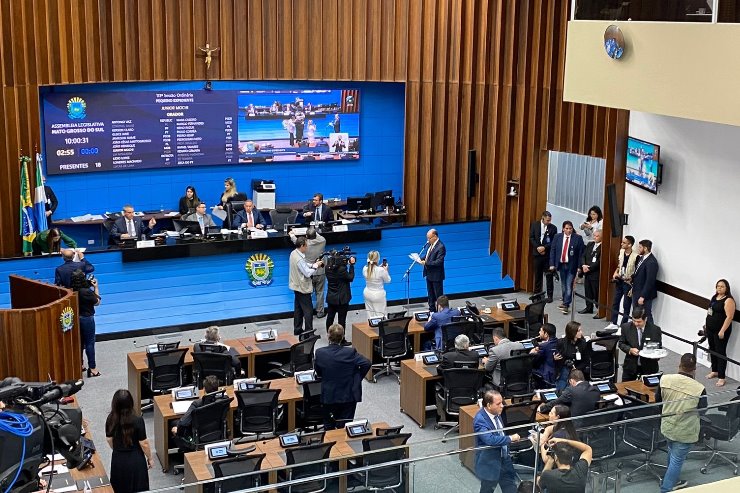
column 316, row 246
column 213, row 338
column 461, row 353
column 500, row 350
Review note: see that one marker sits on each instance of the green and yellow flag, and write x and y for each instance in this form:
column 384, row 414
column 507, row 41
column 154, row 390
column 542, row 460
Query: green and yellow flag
column 28, row 228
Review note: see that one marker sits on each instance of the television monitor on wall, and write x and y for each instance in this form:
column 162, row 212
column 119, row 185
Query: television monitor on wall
column 643, row 164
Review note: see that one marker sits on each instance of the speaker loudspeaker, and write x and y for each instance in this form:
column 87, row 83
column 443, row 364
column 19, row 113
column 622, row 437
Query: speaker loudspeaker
column 614, row 214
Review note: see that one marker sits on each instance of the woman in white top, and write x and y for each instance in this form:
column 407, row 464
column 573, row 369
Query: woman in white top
column 375, row 276
column 593, row 222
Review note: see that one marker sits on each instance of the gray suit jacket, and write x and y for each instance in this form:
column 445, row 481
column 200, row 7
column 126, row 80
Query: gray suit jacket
column 498, row 353
column 207, row 219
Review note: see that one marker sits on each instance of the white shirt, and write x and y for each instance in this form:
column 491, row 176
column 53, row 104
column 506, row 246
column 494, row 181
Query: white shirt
column 543, row 230
column 431, row 247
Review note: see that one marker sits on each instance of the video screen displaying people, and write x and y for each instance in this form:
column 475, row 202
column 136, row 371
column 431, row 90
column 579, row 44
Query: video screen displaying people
column 643, row 164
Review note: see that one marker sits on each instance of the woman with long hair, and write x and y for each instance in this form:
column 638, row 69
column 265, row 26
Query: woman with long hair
column 126, row 435
column 189, row 201
column 718, row 327
column 50, row 241
column 88, row 297
column 374, row 293
column 593, row 222
column 560, row 429
column 571, row 353
column 229, row 193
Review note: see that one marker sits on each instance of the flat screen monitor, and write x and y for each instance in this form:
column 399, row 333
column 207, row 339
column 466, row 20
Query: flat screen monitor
column 430, row 359
column 192, row 227
column 527, row 344
column 604, row 387
column 289, row 440
column 643, row 164
column 549, row 396
column 218, row 452
column 357, row 204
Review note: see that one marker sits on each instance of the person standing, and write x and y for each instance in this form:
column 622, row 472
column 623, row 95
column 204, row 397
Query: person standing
column 593, row 222
column 340, row 273
column 493, row 465
column 644, row 290
column 718, row 328
column 622, row 279
column 49, row 241
column 434, row 267
column 316, row 244
column 52, row 202
column 342, row 370
column 375, row 277
column 591, row 267
column 565, row 257
column 299, row 281
column 541, row 234
column 682, row 396
column 631, row 341
column 63, row 273
column 88, row 297
column 126, row 435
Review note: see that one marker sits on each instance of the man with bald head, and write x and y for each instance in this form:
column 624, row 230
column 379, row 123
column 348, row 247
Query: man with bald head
column 63, row 273
column 433, row 261
column 590, row 267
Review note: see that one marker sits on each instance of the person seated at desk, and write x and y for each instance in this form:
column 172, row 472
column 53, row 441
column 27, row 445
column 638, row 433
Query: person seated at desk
column 544, row 361
column 499, row 351
column 249, row 217
column 129, row 226
column 213, row 338
column 49, row 241
column 63, row 273
column 189, row 201
column 441, row 317
column 460, row 353
column 204, row 220
column 318, row 210
column 580, row 396
column 183, row 429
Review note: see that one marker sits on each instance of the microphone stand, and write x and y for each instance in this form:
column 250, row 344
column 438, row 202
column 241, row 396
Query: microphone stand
column 407, row 276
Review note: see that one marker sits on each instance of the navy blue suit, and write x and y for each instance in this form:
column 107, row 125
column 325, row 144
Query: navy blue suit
column 63, row 273
column 119, row 228
column 544, row 363
column 643, row 284
column 242, row 218
column 437, row 320
column 434, row 272
column 341, row 369
column 493, row 466
column 568, row 269
column 326, row 214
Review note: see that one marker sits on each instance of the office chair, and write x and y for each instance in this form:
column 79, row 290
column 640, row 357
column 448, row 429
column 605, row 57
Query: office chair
column 391, row 430
column 537, row 297
column 392, row 345
column 208, row 425
column 316, row 460
column 516, row 375
column 233, row 208
column 460, row 387
column 258, row 411
column 722, row 427
column 517, row 398
column 301, row 359
column 601, row 353
column 166, row 371
column 208, row 347
column 599, row 431
column 449, row 332
column 310, row 410
column 466, row 364
column 380, row 450
column 534, row 317
column 218, row 364
column 522, row 416
column 644, row 436
column 282, row 216
column 237, row 471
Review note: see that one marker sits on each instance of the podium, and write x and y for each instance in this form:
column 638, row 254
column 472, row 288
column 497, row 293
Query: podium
column 34, row 344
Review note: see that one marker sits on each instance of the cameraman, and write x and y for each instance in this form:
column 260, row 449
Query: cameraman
column 560, row 474
column 340, row 272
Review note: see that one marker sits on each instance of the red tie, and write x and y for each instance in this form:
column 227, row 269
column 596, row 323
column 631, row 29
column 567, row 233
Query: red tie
column 565, row 249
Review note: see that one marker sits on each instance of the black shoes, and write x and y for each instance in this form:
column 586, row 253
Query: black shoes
column 90, row 374
column 585, row 311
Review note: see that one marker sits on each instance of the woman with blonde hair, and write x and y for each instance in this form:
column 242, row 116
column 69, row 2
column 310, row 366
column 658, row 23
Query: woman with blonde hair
column 230, row 193
column 375, row 277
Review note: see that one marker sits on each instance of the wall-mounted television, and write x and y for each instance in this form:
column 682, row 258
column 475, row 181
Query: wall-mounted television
column 643, row 164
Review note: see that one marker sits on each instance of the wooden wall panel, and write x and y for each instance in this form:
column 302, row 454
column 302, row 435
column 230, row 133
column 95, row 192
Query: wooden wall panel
column 480, row 74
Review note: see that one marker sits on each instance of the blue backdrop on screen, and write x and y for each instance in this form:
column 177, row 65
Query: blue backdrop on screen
column 379, row 166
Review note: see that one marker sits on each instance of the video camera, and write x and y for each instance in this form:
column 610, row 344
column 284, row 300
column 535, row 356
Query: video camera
column 51, row 427
column 337, row 257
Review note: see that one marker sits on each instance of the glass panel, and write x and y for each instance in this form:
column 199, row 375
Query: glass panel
column 728, row 11
column 645, row 10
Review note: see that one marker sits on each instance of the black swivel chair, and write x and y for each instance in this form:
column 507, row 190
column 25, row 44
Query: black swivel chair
column 232, row 209
column 218, row 364
column 310, row 410
column 449, row 332
column 282, row 216
column 166, row 370
column 645, row 436
column 722, row 427
column 601, row 354
column 237, row 471
column 460, row 387
column 391, row 430
column 393, row 345
column 316, row 458
column 380, row 450
column 258, row 411
column 534, row 318
column 516, row 375
column 520, row 417
column 301, row 359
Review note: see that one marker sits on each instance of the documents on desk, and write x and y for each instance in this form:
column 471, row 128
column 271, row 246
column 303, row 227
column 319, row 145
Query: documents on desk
column 87, row 217
column 181, row 407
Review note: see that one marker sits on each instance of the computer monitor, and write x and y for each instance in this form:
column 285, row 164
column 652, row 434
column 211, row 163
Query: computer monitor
column 358, row 203
column 192, row 227
column 379, row 198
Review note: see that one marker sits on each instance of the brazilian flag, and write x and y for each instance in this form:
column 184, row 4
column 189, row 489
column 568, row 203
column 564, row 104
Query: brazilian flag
column 28, row 228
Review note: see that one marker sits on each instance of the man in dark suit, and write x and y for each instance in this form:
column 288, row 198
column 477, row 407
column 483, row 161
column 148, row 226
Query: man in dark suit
column 51, row 200
column 541, row 234
column 493, row 465
column 440, row 318
column 643, row 280
column 580, row 396
column 434, row 267
column 565, row 257
column 631, row 341
column 249, row 217
column 460, row 353
column 341, row 369
column 63, row 273
column 129, row 226
column 183, row 428
column 318, row 210
column 590, row 267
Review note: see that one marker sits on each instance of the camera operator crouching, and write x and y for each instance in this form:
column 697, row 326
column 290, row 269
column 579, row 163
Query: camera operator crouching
column 340, row 272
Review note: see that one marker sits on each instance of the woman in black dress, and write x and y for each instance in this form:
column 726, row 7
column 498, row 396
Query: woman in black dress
column 339, row 276
column 718, row 328
column 126, row 435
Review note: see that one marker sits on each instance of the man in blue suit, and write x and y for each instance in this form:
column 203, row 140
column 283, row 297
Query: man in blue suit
column 249, row 217
column 441, row 317
column 63, row 273
column 643, row 280
column 130, row 226
column 565, row 257
column 341, row 369
column 434, row 267
column 493, row 466
column 317, row 210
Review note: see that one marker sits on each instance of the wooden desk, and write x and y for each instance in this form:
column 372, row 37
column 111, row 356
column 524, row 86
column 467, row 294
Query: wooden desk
column 364, row 337
column 417, row 383
column 197, row 463
column 164, row 415
column 137, row 365
column 637, row 386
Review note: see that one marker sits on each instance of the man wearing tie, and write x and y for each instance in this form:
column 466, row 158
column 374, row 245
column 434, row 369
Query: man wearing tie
column 565, row 256
column 541, row 234
column 318, row 211
column 249, row 217
column 643, row 280
column 590, row 268
column 493, row 465
column 204, row 220
column 129, row 226
column 631, row 341
column 434, row 267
